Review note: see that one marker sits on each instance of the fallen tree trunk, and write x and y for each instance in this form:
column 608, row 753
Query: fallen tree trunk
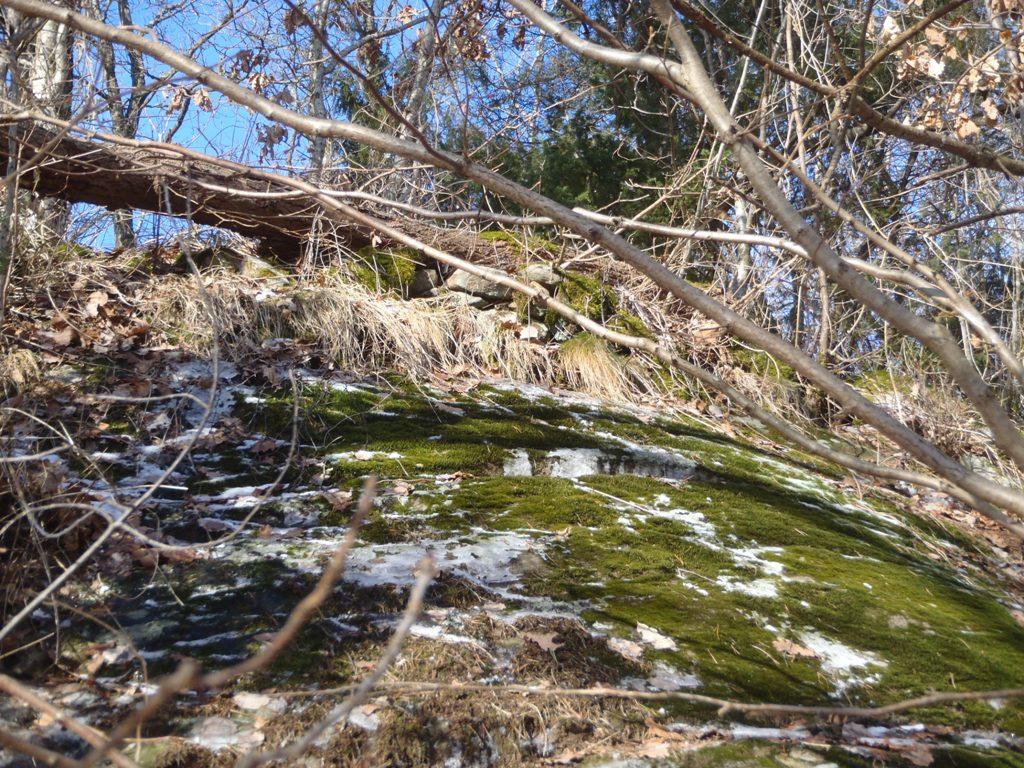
column 137, row 175
column 117, row 177
column 83, row 171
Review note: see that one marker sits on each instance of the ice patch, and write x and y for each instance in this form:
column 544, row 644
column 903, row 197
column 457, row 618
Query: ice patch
column 705, row 531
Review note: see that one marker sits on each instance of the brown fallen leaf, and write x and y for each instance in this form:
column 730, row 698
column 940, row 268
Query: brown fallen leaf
column 793, row 650
column 340, row 500
column 64, row 337
column 546, row 640
column 263, row 446
column 916, row 754
column 97, row 299
column 628, row 648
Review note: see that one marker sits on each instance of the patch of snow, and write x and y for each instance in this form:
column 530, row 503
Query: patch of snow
column 217, row 733
column 256, row 701
column 704, row 529
column 682, row 576
column 487, row 558
column 434, row 632
column 751, row 556
column 518, row 464
column 652, row 637
column 756, row 588
column 575, row 462
column 362, row 455
column 840, row 662
column 114, row 458
column 364, row 717
column 204, row 641
column 228, row 494
column 665, row 677
column 740, row 732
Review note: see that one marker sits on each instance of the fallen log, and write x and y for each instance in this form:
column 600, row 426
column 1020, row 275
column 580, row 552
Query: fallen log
column 117, row 177
column 118, row 173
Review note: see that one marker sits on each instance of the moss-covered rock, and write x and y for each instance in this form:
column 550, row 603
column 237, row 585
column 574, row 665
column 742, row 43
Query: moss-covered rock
column 389, row 270
column 572, row 538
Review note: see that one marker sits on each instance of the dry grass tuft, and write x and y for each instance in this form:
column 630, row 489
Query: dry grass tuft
column 588, row 363
column 362, row 331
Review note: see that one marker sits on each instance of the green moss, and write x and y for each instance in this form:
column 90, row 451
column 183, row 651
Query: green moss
column 765, row 754
column 588, row 295
column 878, row 381
column 763, row 364
column 641, row 549
column 968, row 757
column 518, row 241
column 427, row 438
column 390, row 269
column 627, row 322
column 511, row 503
column 655, row 570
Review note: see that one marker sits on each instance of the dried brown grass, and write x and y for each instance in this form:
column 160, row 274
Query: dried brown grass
column 363, row 331
column 589, row 364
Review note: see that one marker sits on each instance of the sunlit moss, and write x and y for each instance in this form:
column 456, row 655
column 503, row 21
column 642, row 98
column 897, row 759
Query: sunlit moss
column 389, row 269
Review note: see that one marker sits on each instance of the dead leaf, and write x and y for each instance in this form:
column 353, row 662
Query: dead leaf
column 990, row 110
column 935, row 36
column 917, row 754
column 201, row 98
column 966, row 128
column 652, row 637
column 627, row 648
column 794, row 650
column 292, row 19
column 340, row 500
column 97, row 299
column 64, row 337
column 546, row 640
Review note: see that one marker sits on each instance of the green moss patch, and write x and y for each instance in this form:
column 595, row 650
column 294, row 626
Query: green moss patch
column 390, row 269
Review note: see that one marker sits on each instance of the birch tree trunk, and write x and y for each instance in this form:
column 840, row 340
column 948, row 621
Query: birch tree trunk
column 46, row 69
